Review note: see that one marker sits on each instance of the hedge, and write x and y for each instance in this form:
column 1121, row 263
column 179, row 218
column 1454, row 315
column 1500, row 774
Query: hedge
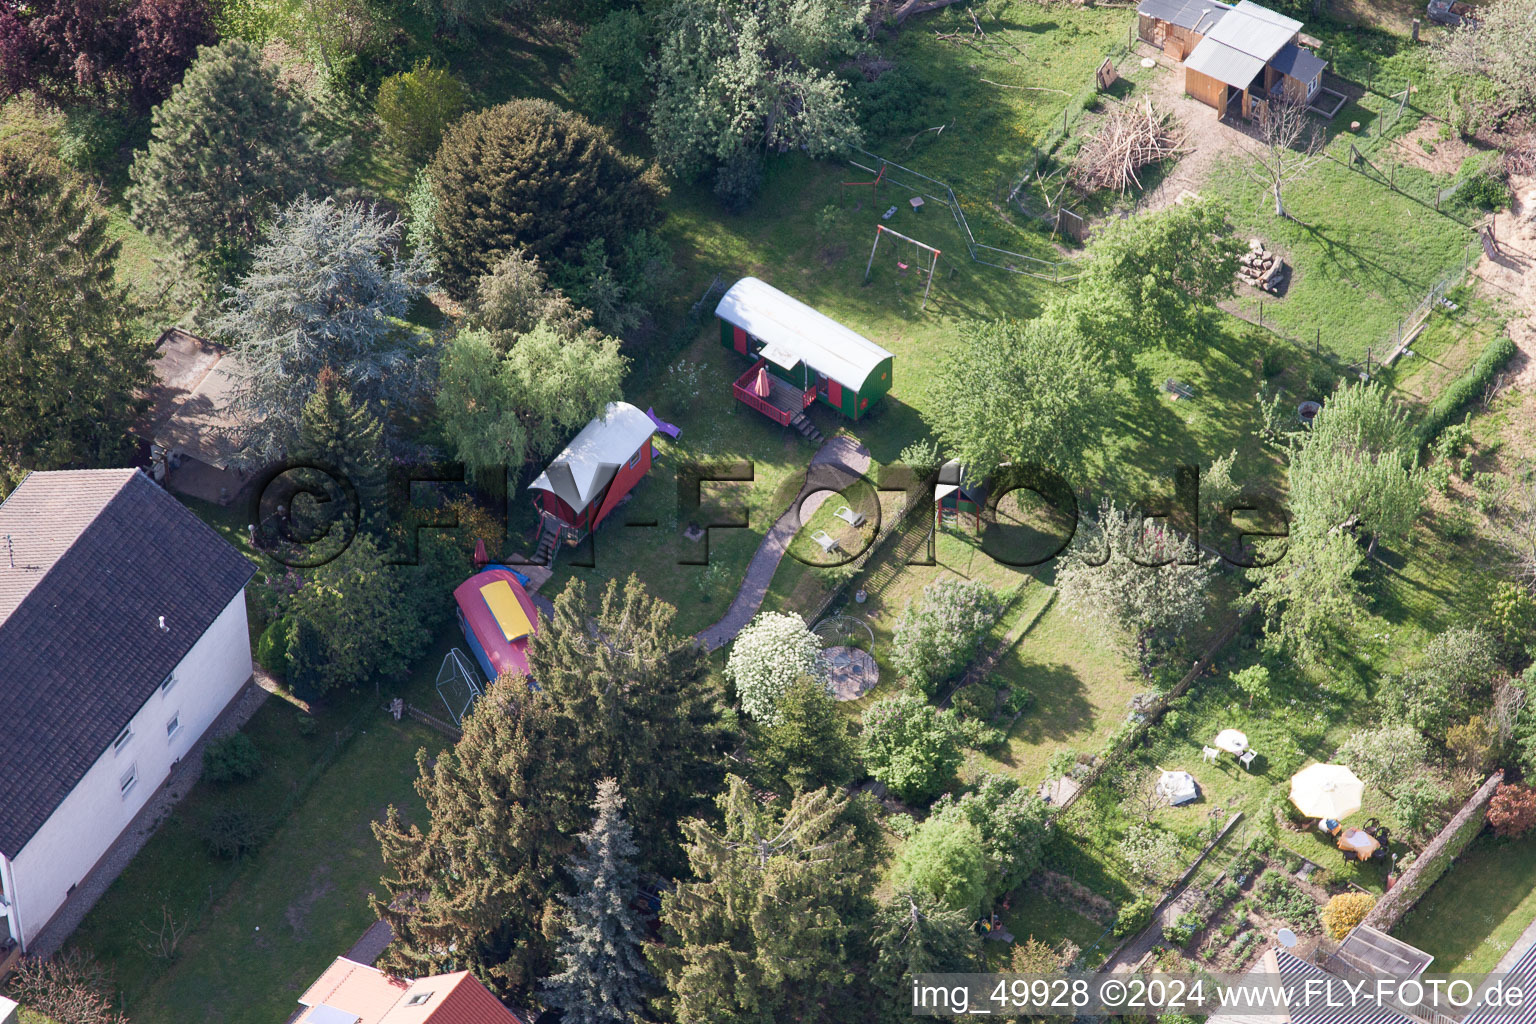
column 1435, row 860
column 1466, row 388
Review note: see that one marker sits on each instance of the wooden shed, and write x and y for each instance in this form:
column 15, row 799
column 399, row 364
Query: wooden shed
column 800, row 354
column 1236, row 58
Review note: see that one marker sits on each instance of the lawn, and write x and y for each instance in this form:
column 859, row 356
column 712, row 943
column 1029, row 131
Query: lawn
column 261, row 929
column 1479, row 908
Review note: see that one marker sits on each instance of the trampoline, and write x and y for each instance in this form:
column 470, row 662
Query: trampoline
column 497, row 617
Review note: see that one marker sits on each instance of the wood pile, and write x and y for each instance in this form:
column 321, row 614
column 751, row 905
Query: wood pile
column 1131, row 137
column 1261, row 268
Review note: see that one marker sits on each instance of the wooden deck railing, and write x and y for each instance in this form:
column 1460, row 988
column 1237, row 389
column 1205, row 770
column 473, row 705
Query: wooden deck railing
column 791, row 400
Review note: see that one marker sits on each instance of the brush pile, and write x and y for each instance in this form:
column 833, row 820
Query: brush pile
column 1131, row 137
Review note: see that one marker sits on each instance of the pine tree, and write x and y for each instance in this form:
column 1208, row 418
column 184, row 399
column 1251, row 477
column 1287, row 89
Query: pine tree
column 339, row 435
column 772, row 928
column 604, row 975
column 479, row 890
column 229, row 145
column 636, row 703
column 70, row 363
column 811, row 744
column 915, row 933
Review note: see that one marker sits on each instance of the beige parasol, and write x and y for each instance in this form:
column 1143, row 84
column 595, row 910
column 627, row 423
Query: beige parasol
column 1326, row 791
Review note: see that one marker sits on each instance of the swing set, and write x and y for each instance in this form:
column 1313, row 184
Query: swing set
column 918, row 248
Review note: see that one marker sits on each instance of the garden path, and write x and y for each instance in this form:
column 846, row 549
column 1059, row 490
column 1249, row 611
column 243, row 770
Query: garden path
column 1513, row 273
column 843, row 452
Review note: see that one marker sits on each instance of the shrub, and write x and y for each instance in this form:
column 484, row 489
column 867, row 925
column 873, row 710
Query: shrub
column 773, row 651
column 1512, row 811
column 233, row 758
column 940, row 632
column 1132, row 917
column 1344, row 911
column 417, row 106
column 911, row 746
column 1485, row 190
column 232, row 830
column 1018, row 700
column 1467, row 388
column 528, row 175
column 1512, row 613
column 306, row 723
column 1182, row 932
column 975, row 701
column 70, row 987
column 272, row 646
column 90, row 139
column 944, row 858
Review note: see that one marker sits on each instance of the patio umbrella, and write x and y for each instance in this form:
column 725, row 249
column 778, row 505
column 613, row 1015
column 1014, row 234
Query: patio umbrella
column 1232, row 741
column 1326, row 791
column 761, row 387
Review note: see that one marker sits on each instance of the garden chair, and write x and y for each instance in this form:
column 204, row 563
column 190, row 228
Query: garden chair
column 1209, row 754
column 825, row 539
column 1247, row 760
column 849, row 516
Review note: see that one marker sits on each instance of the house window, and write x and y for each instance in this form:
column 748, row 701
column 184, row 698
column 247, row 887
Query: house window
column 169, row 682
column 129, row 780
column 634, row 460
column 418, row 999
column 173, row 726
column 122, row 739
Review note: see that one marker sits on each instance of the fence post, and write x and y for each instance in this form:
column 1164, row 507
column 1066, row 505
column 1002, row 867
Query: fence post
column 1317, row 344
column 1261, row 312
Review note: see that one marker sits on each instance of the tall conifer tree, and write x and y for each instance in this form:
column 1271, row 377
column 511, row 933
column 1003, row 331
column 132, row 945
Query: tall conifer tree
column 636, row 703
column 603, row 976
column 479, row 889
column 340, row 434
column 773, row 927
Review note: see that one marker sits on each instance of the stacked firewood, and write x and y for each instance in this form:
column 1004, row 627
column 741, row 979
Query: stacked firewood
column 1260, row 267
column 1131, row 137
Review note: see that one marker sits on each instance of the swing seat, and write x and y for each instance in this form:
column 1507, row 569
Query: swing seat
column 902, row 265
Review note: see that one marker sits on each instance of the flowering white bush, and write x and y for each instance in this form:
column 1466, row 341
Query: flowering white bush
column 767, row 657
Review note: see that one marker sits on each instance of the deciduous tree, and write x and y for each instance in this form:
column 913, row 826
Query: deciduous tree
column 1290, row 144
column 502, row 409
column 529, row 176
column 603, row 976
column 734, row 79
column 1512, row 811
column 515, row 296
column 1387, row 757
column 773, row 924
column 1011, row 821
column 478, row 889
column 1452, row 678
column 162, row 38
column 1142, row 581
column 940, row 632
column 417, row 106
column 944, row 859
column 910, row 745
column 70, row 362
column 1496, row 50
column 1031, row 392
column 1153, row 280
column 328, row 289
column 230, row 145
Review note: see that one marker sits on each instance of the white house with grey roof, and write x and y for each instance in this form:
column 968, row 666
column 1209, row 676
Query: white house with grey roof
column 1235, row 56
column 123, row 637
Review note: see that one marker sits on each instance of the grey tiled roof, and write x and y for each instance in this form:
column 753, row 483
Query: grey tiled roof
column 99, row 556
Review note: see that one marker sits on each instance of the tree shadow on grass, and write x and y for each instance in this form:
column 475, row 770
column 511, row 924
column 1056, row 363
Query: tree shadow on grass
column 1062, row 708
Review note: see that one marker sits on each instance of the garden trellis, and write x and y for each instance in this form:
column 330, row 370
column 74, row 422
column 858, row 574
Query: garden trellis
column 918, row 249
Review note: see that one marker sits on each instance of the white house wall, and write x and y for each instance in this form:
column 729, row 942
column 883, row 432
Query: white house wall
column 96, row 811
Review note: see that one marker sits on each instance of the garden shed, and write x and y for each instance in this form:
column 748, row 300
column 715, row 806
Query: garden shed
column 595, row 472
column 1234, row 56
column 958, row 493
column 800, row 355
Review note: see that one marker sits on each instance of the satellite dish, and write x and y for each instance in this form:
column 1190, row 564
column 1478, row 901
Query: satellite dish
column 1287, row 938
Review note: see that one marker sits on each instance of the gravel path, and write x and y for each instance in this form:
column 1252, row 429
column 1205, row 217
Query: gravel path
column 132, row 840
column 841, row 452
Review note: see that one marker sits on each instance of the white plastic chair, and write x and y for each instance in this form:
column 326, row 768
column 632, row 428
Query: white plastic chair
column 1209, row 754
column 825, row 539
column 849, row 516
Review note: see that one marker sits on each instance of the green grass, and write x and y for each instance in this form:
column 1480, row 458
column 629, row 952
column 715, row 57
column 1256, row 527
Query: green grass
column 1048, row 920
column 305, row 889
column 1477, row 910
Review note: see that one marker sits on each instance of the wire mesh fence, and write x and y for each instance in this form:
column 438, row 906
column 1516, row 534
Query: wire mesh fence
column 939, row 192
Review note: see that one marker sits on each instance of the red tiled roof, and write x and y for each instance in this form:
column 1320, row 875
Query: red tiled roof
column 370, row 996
